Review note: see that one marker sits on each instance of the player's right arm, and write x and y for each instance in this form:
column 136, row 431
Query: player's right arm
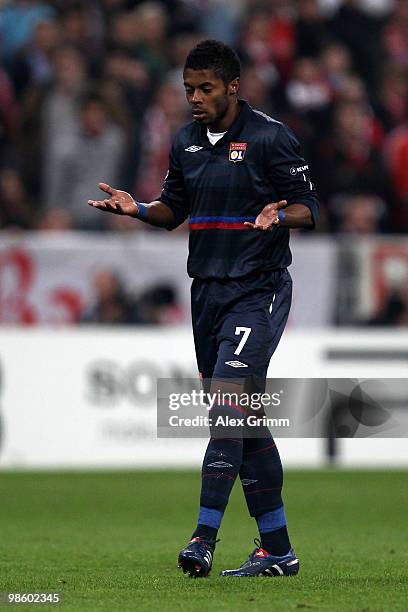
column 168, row 211
column 121, row 203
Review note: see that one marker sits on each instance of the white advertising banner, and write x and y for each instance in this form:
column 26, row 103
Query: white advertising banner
column 47, row 278
column 86, row 398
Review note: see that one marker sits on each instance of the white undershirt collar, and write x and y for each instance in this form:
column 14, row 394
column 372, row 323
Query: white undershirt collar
column 214, row 137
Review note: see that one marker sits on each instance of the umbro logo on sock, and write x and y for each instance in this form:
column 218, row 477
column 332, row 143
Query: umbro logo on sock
column 193, row 149
column 236, row 364
column 247, row 481
column 219, row 464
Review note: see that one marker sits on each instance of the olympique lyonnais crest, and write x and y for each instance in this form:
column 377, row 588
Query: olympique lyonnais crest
column 237, row 151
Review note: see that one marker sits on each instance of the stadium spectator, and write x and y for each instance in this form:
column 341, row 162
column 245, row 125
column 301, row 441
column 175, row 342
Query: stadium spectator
column 49, row 121
column 82, row 26
column 158, row 306
column 98, row 149
column 220, row 19
column 122, row 31
column 336, row 63
column 255, row 45
column 308, row 90
column 257, row 86
column 360, row 32
column 396, row 158
column 350, row 160
column 112, row 305
column 178, row 50
column 16, row 211
column 8, row 116
column 393, row 311
column 161, row 123
column 395, row 34
column 392, row 105
column 352, row 89
column 309, row 96
column 56, row 220
column 33, row 64
column 311, row 30
column 361, row 214
column 141, row 34
column 18, row 20
column 282, row 35
column 131, row 77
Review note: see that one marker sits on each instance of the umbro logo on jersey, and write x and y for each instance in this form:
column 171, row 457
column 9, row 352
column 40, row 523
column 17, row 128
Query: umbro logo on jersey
column 219, row 464
column 193, row 149
column 236, row 364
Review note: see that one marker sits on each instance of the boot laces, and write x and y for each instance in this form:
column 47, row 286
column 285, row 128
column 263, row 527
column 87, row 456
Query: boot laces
column 257, row 543
column 204, row 545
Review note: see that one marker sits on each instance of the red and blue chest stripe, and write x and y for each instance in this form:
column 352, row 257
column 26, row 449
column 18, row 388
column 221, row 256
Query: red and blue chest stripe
column 233, row 223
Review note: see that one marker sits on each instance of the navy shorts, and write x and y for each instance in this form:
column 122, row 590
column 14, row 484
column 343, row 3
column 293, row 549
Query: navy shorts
column 237, row 324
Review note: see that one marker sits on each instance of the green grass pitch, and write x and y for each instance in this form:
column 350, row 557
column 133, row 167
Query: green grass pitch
column 109, row 541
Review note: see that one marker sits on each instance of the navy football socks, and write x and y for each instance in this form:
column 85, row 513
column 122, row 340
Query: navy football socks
column 209, row 521
column 273, row 532
column 258, row 463
column 276, row 542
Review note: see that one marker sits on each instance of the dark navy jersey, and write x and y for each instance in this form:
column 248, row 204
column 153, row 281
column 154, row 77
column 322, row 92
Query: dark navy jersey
column 219, row 187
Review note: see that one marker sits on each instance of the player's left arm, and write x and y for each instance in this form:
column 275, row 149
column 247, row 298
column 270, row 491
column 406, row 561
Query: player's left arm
column 288, row 172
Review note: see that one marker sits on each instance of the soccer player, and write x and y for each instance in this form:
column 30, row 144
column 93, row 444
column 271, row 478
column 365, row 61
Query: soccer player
column 239, row 176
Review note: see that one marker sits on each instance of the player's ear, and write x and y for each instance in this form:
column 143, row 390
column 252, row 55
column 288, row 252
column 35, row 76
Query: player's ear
column 233, row 87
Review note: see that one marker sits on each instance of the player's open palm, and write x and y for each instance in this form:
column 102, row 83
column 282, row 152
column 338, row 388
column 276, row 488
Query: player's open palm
column 268, row 217
column 119, row 202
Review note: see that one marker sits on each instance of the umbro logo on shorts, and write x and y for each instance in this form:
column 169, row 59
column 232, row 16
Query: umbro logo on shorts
column 236, row 364
column 193, row 149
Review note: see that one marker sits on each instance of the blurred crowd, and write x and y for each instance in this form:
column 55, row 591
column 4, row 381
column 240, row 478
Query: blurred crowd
column 93, row 91
column 114, row 304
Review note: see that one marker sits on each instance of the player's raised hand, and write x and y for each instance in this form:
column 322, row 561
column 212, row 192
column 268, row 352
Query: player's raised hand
column 268, row 217
column 119, row 202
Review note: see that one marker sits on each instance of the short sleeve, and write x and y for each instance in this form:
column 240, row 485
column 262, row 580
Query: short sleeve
column 174, row 193
column 289, row 174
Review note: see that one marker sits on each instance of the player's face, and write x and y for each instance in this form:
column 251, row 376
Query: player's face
column 210, row 99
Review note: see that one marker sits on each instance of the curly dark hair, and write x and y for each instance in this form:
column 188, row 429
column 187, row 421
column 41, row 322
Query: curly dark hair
column 216, row 56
